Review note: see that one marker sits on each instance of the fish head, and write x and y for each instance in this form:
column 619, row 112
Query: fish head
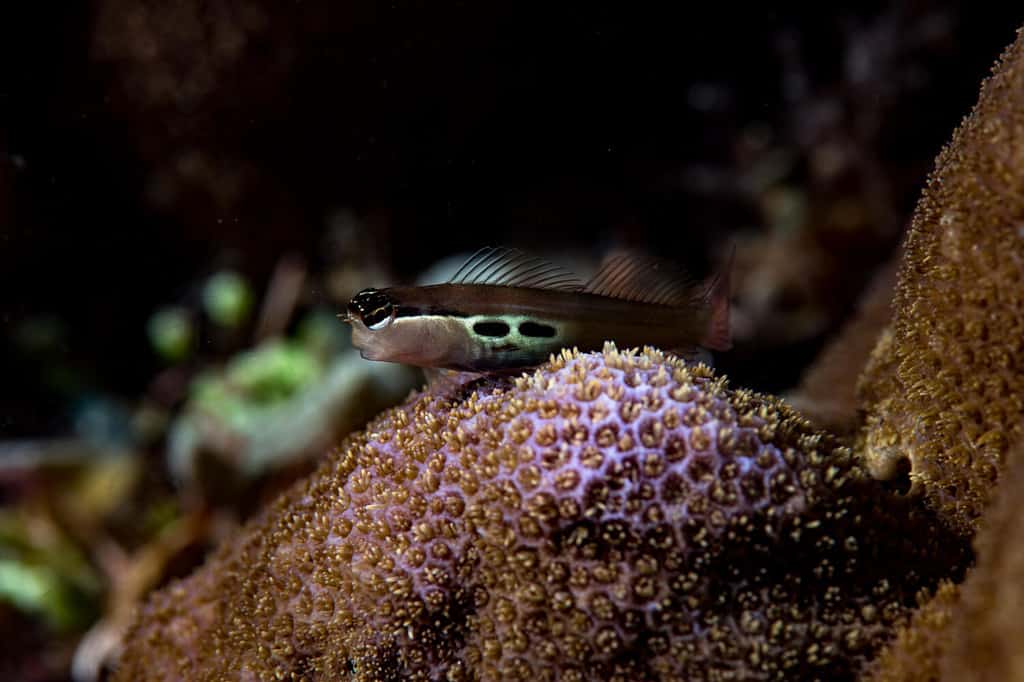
column 371, row 312
column 371, row 308
column 379, row 333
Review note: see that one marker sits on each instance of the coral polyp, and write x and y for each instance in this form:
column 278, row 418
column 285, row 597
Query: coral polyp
column 612, row 516
column 972, row 632
column 946, row 389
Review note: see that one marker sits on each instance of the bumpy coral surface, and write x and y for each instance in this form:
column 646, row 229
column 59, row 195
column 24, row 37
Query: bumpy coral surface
column 988, row 626
column 915, row 652
column 613, row 516
column 949, row 382
column 972, row 632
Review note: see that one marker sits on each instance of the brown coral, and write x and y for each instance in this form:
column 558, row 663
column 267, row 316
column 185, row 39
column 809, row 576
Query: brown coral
column 913, row 655
column 973, row 633
column 988, row 627
column 949, row 385
column 612, row 516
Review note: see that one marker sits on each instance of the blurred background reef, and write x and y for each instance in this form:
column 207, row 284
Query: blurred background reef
column 190, row 191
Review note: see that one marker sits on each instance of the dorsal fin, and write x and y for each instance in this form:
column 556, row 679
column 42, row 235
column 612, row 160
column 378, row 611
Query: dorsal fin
column 639, row 277
column 514, row 268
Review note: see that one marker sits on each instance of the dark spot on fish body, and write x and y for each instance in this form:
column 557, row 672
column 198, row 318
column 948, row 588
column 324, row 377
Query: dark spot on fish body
column 537, row 330
column 493, row 328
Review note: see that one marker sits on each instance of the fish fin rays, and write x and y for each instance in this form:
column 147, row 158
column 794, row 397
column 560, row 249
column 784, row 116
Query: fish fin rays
column 638, row 277
column 626, row 275
column 498, row 266
column 719, row 335
column 436, row 376
column 642, row 278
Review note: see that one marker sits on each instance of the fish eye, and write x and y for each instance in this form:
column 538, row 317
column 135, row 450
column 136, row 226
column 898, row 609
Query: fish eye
column 373, row 307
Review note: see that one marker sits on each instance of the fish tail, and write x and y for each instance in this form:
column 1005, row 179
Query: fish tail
column 719, row 334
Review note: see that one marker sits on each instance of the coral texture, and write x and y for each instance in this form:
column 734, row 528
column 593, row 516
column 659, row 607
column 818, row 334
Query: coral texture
column 973, row 632
column 914, row 654
column 613, row 516
column 988, row 627
column 948, row 385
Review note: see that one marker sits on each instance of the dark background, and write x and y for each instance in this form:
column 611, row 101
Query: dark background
column 148, row 144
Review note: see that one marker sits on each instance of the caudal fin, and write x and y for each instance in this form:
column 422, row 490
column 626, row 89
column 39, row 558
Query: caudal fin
column 719, row 334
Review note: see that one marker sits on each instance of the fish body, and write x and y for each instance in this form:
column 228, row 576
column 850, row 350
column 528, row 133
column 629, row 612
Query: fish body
column 496, row 318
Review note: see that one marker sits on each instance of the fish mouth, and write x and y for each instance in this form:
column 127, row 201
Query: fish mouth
column 367, row 350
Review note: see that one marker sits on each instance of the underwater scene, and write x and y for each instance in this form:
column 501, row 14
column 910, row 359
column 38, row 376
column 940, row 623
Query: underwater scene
column 382, row 341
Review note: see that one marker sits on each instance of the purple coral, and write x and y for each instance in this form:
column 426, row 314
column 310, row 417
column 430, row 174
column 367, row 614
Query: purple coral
column 612, row 516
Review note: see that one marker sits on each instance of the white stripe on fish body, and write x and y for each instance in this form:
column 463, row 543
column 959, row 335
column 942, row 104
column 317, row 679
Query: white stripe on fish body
column 472, row 342
column 505, row 310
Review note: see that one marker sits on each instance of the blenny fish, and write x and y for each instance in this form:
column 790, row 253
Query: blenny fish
column 505, row 310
